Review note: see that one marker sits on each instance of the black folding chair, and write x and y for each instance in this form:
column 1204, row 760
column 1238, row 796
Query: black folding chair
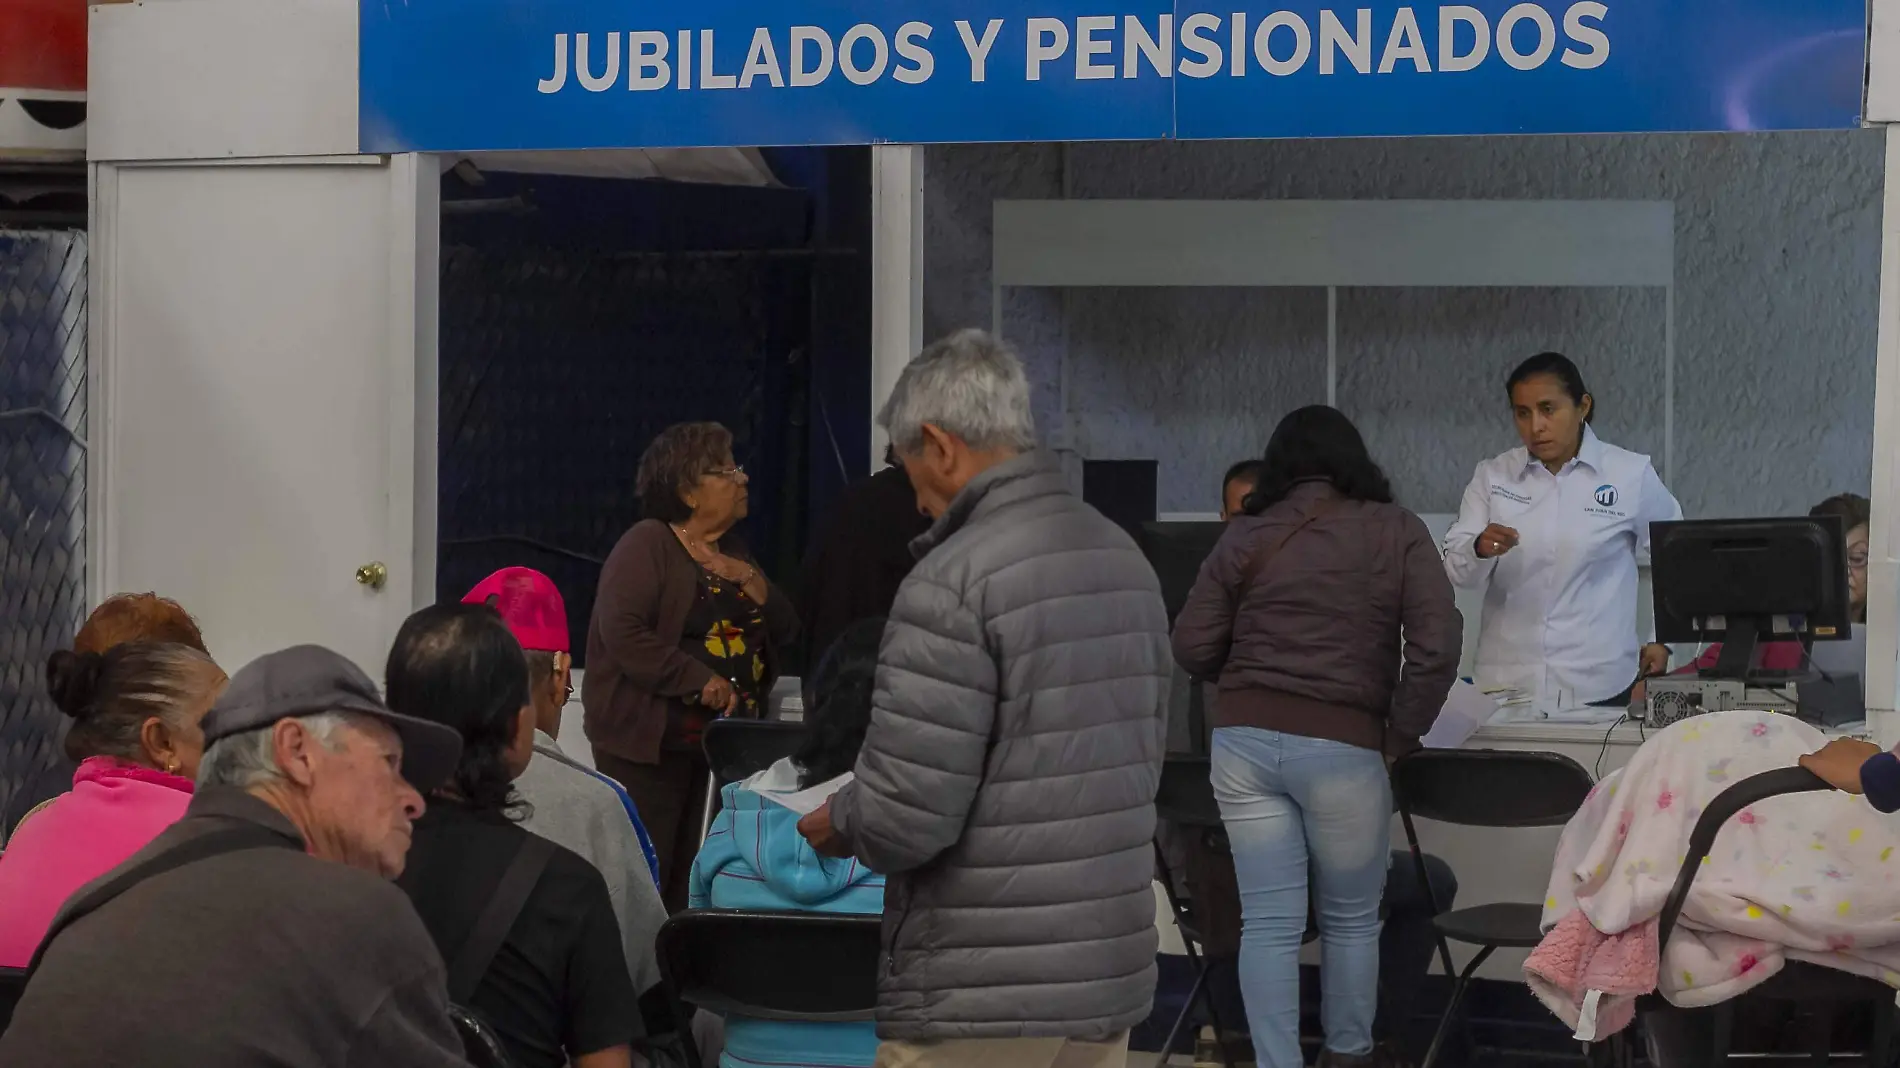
column 1483, row 788
column 12, row 986
column 808, row 966
column 1798, row 982
column 737, row 749
column 479, row 1042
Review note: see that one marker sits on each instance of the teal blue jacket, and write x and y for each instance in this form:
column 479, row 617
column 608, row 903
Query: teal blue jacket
column 754, row 858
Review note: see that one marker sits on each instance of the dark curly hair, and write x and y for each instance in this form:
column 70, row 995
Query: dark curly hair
column 1854, row 510
column 1317, row 442
column 679, row 457
column 838, row 704
column 458, row 665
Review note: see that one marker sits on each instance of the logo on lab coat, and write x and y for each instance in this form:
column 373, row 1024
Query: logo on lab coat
column 1606, row 495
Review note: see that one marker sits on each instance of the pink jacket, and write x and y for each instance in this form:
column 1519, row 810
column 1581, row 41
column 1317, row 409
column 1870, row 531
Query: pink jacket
column 112, row 811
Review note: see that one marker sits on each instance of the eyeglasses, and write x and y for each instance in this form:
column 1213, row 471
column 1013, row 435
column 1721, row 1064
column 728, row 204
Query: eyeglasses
column 735, row 473
column 1857, row 561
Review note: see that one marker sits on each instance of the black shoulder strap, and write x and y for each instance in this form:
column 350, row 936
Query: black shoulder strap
column 491, row 927
column 205, row 846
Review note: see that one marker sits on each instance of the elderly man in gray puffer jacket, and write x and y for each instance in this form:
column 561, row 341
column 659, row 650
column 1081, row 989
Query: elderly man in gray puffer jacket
column 1007, row 783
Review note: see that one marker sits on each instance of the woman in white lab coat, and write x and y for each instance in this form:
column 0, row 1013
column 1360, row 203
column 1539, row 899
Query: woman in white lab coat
column 1553, row 532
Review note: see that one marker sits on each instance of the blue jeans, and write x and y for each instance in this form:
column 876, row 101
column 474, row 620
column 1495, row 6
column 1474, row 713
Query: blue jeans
column 1287, row 800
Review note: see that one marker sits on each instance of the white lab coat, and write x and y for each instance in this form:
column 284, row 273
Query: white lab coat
column 1559, row 619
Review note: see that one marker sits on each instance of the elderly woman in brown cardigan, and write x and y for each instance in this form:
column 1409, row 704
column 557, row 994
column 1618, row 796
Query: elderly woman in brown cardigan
column 686, row 629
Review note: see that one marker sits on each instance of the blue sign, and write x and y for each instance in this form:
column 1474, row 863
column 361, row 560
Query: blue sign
column 467, row 75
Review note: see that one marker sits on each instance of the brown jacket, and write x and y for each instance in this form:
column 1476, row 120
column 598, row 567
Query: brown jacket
column 635, row 666
column 1312, row 646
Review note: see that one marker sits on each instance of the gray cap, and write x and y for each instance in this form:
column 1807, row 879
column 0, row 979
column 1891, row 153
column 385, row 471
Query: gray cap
column 308, row 680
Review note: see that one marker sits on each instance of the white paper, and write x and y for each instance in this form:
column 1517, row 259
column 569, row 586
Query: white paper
column 805, row 802
column 1466, row 709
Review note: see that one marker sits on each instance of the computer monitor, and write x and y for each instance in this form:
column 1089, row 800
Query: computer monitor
column 1122, row 490
column 1176, row 551
column 1744, row 581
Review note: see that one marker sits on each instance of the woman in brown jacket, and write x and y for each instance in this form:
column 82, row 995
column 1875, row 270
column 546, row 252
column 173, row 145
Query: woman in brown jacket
column 686, row 629
column 1327, row 617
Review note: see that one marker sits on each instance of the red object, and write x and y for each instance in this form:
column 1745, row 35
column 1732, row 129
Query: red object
column 529, row 603
column 1770, row 656
column 43, row 44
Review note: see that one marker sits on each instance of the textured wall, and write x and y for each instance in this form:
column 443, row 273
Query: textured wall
column 1777, row 249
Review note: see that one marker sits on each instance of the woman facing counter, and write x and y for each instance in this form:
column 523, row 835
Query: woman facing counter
column 1552, row 532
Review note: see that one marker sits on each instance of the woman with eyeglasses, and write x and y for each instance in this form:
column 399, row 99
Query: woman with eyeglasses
column 686, row 629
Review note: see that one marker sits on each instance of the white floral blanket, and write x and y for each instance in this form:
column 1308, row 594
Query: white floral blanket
column 1804, row 877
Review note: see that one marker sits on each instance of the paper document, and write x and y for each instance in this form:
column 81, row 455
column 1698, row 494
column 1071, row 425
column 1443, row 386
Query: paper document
column 1466, row 709
column 806, row 802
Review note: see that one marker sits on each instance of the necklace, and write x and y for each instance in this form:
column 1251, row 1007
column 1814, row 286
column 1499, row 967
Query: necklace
column 705, row 562
column 693, row 545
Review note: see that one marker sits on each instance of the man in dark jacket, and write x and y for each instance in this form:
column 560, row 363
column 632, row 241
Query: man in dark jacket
column 861, row 556
column 262, row 928
column 1007, row 782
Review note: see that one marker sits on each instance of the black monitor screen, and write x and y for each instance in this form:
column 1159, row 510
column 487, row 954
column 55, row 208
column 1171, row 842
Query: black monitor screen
column 1724, row 579
column 1122, row 490
column 1177, row 550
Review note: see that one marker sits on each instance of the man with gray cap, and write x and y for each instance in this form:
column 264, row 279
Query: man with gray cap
column 262, row 928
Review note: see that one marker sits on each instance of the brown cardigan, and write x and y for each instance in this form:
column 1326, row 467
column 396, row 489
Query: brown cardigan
column 635, row 667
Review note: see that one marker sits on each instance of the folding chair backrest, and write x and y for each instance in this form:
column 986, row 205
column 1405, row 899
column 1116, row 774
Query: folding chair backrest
column 1186, row 795
column 12, row 986
column 480, row 1044
column 1490, row 787
column 812, row 966
column 739, row 748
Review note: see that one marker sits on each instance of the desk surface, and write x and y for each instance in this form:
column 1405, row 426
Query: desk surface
column 1529, row 733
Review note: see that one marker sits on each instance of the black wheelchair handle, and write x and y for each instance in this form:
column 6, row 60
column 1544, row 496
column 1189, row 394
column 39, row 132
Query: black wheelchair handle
column 1757, row 787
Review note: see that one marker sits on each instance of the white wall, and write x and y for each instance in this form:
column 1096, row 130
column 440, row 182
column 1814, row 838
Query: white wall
column 1777, row 260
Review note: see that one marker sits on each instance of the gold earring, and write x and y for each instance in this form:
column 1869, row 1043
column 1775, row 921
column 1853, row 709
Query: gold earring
column 171, row 767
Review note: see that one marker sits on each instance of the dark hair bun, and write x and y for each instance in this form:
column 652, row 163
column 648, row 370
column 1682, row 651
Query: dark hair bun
column 73, row 680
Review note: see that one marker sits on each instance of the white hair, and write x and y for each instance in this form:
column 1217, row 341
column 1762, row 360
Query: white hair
column 249, row 758
column 969, row 384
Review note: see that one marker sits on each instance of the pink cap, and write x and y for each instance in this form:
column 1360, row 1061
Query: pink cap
column 529, row 603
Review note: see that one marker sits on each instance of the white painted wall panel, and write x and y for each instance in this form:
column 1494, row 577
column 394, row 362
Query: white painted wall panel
column 217, row 79
column 1333, row 243
column 1883, row 58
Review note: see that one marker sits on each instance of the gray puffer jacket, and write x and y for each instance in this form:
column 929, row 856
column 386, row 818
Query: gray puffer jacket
column 1007, row 783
